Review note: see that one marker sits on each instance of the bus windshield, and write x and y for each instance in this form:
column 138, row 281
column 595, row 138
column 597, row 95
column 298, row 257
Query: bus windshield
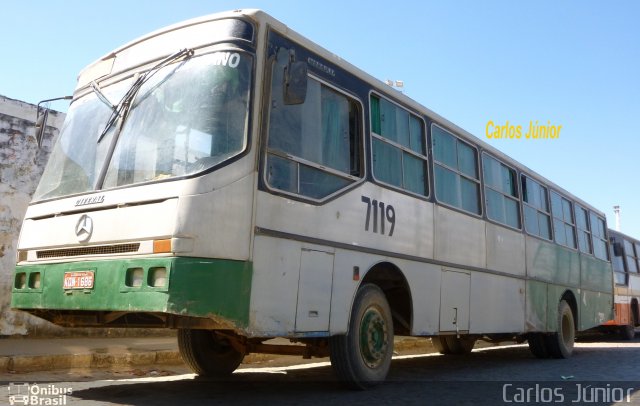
column 188, row 117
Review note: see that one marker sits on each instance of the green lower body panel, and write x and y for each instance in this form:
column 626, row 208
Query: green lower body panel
column 182, row 286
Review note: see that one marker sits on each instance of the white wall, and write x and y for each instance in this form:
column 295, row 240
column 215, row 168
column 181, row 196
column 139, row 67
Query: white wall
column 21, row 165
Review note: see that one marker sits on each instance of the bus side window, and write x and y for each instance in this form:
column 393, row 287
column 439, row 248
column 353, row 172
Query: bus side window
column 537, row 216
column 314, row 147
column 584, row 231
column 632, row 264
column 397, row 140
column 563, row 223
column 598, row 236
column 455, row 171
column 500, row 192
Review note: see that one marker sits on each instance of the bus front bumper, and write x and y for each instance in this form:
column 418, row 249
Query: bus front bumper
column 147, row 292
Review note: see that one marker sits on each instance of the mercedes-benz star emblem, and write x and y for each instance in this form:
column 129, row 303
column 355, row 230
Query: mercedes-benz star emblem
column 84, row 228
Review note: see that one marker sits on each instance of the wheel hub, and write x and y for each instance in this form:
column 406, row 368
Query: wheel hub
column 373, row 338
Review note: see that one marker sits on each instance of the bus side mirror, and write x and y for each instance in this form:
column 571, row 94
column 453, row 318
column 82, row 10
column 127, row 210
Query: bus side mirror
column 295, row 82
column 41, row 123
column 42, row 114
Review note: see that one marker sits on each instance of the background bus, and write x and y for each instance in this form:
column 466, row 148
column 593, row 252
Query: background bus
column 624, row 258
column 233, row 180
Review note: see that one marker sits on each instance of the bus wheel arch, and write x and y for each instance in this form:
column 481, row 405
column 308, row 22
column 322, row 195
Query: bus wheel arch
column 570, row 298
column 390, row 279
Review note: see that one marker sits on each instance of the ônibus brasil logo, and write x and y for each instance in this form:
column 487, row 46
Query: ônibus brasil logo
column 41, row 395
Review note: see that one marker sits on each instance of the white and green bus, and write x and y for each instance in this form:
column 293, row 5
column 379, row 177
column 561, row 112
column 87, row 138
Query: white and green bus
column 228, row 178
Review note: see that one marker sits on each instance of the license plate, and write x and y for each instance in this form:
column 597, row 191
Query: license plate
column 78, row 280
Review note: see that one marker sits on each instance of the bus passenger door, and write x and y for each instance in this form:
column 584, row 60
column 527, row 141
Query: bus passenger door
column 314, row 290
column 454, row 301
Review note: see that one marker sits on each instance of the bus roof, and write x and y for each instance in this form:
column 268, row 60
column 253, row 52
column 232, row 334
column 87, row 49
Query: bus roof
column 262, row 18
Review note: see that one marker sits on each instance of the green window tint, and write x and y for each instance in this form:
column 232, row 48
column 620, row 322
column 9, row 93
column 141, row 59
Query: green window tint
column 501, row 197
column 375, row 115
column 414, row 170
column 584, row 231
column 470, row 195
column 398, row 148
column 467, row 162
column 447, row 186
column 563, row 223
column 402, row 128
column 387, row 162
column 444, row 147
column 313, row 148
column 388, row 120
column 415, row 131
column 456, row 171
column 537, row 218
column 598, row 236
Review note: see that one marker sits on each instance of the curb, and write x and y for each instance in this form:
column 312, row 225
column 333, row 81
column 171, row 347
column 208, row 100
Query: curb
column 36, row 363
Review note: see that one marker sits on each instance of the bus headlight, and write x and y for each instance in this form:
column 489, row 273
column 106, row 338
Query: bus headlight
column 158, row 277
column 134, row 277
column 21, row 280
column 34, row 280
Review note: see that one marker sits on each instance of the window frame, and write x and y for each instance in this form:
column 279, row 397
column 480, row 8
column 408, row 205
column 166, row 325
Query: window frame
column 457, row 171
column 301, row 161
column 573, row 215
column 579, row 230
column 517, row 198
column 424, row 157
column 605, row 237
column 631, row 256
column 538, row 211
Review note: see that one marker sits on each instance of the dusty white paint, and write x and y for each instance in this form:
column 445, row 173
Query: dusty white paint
column 21, row 165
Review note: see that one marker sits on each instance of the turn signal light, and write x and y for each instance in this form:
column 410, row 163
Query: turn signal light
column 161, row 246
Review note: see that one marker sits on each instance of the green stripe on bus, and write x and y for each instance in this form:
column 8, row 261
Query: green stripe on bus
column 194, row 287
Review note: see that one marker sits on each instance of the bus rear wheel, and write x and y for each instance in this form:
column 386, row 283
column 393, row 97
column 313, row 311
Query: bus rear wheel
column 537, row 345
column 208, row 354
column 628, row 332
column 362, row 357
column 560, row 344
column 453, row 345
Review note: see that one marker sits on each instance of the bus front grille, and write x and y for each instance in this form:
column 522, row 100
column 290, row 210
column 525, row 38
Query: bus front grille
column 95, row 250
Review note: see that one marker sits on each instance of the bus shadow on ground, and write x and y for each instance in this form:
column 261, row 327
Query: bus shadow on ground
column 476, row 378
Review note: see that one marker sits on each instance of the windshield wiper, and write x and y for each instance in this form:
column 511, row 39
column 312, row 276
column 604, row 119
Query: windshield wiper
column 122, row 108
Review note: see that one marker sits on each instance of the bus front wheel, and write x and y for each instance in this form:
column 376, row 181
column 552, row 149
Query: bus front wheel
column 362, row 357
column 208, row 354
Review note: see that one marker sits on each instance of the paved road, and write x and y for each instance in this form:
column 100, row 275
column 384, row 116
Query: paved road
column 605, row 371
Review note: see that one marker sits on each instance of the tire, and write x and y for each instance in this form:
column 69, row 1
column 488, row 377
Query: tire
column 560, row 344
column 537, row 345
column 440, row 344
column 207, row 354
column 628, row 332
column 460, row 346
column 361, row 358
